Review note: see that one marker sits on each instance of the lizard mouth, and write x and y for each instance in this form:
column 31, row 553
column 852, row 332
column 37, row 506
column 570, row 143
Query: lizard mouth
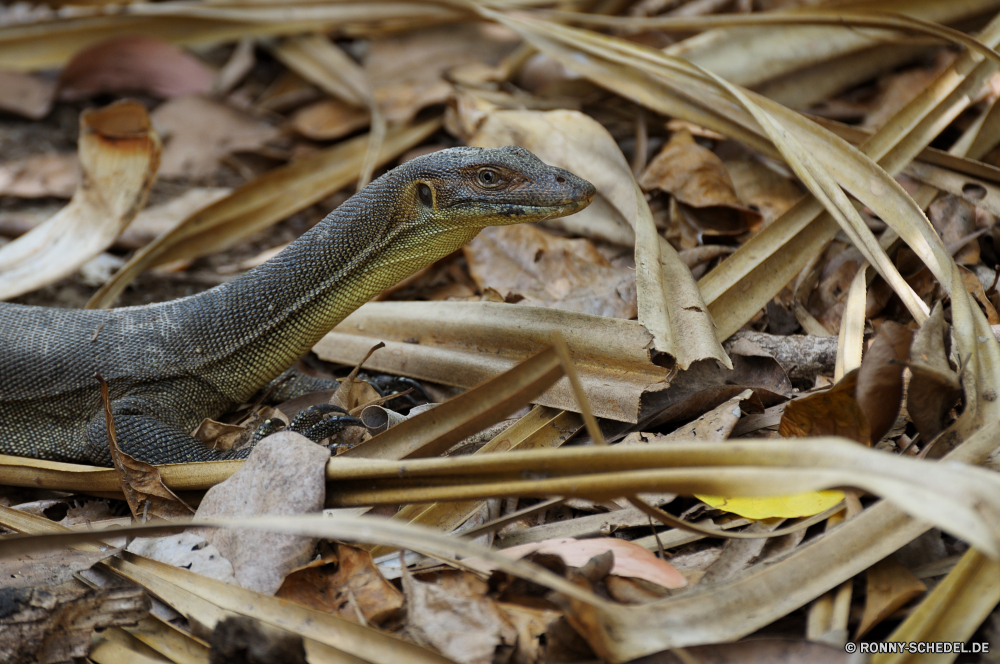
column 557, row 209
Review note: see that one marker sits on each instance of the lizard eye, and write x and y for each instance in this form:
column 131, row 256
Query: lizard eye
column 425, row 194
column 488, row 177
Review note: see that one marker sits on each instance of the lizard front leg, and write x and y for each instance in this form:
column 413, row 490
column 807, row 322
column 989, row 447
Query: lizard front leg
column 142, row 433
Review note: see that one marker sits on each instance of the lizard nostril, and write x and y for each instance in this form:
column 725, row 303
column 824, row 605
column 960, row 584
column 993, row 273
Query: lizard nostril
column 560, row 179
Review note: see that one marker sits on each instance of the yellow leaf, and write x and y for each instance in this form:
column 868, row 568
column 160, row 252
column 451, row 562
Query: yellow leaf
column 766, row 507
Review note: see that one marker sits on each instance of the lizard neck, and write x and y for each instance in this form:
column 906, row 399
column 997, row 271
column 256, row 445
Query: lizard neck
column 285, row 306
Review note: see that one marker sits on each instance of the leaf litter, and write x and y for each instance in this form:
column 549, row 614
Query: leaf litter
column 720, row 210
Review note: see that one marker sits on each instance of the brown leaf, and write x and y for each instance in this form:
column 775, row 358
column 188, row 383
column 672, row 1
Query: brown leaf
column 198, row 132
column 455, row 616
column 134, row 64
column 41, row 175
column 880, row 378
column 407, row 71
column 222, row 436
column 24, row 95
column 890, row 586
column 954, row 218
column 696, row 177
column 629, row 560
column 541, row 633
column 329, row 119
column 833, row 412
column 527, row 264
column 975, row 288
column 141, row 483
column 350, row 584
column 934, row 388
column 764, row 190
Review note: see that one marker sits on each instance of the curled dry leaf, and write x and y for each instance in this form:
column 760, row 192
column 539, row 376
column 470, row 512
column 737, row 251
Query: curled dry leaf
column 119, row 154
column 198, row 132
column 24, row 95
column 144, row 490
column 696, row 177
column 934, row 388
column 833, row 412
column 135, row 63
column 530, row 266
column 880, row 378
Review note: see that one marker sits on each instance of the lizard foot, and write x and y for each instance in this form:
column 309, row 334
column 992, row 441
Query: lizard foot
column 311, row 423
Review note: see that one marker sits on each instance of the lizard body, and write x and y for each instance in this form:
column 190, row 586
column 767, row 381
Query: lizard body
column 172, row 364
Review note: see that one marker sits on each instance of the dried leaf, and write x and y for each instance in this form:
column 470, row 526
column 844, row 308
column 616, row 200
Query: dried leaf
column 41, row 175
column 612, row 359
column 456, row 617
column 955, row 219
column 198, row 132
column 696, row 177
column 134, row 64
column 329, row 119
column 880, row 379
column 156, row 220
column 141, row 483
column 407, row 70
column 669, row 304
column 188, row 550
column 345, row 585
column 890, row 586
column 975, row 288
column 934, row 387
column 119, row 154
column 762, row 189
column 532, row 267
column 24, row 95
column 833, row 412
column 630, row 560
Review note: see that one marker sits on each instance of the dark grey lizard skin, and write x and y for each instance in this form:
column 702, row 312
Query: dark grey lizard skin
column 170, row 365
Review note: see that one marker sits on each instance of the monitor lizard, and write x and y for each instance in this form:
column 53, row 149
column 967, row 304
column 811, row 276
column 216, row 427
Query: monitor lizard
column 172, row 364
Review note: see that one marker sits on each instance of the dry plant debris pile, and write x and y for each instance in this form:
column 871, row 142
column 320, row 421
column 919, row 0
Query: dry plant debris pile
column 743, row 407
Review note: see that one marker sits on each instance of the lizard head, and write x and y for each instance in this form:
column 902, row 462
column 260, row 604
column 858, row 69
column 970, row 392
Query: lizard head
column 477, row 187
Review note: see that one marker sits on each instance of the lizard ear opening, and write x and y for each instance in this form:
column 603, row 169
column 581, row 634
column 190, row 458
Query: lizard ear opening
column 425, row 194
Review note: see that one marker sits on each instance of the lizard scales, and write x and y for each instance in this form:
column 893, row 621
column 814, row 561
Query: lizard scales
column 172, row 364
